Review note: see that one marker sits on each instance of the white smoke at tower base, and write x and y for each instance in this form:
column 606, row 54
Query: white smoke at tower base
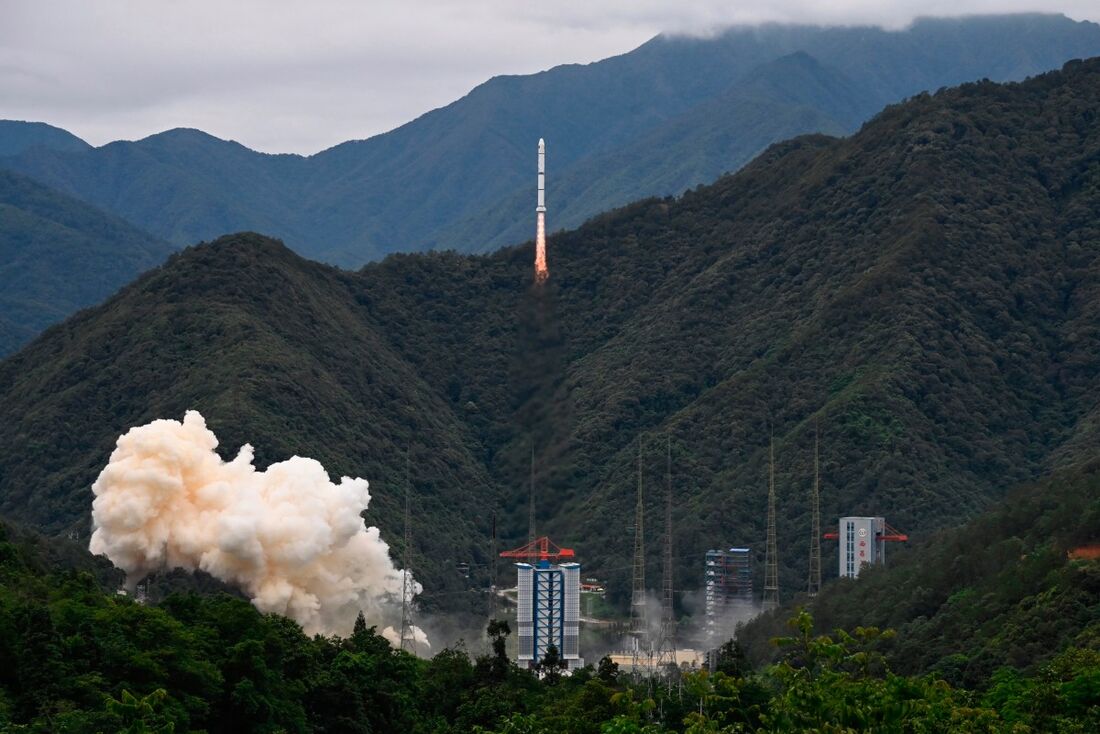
column 289, row 537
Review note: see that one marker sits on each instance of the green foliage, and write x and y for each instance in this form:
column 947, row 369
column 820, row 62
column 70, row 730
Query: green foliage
column 139, row 716
column 1002, row 592
column 80, row 660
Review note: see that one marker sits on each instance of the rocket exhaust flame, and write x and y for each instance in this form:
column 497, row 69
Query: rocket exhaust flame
column 541, row 271
column 288, row 536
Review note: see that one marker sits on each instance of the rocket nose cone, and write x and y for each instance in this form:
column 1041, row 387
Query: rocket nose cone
column 542, row 144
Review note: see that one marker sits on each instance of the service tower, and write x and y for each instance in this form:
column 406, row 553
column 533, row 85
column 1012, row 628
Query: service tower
column 548, row 605
column 541, row 271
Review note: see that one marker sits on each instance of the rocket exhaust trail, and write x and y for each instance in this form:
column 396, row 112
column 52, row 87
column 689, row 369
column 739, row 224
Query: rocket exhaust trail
column 541, row 271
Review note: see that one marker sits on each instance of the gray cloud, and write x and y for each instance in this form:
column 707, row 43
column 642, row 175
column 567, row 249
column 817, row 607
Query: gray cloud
column 285, row 76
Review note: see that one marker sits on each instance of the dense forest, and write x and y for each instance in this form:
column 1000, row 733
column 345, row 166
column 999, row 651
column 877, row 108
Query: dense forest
column 1007, row 591
column 928, row 291
column 81, row 659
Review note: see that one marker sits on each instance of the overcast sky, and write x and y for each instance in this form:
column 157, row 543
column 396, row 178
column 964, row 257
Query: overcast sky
column 301, row 76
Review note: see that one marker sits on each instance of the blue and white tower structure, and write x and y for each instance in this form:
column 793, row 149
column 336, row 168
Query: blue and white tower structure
column 548, row 611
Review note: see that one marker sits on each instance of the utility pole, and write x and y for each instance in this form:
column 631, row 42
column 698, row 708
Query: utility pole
column 638, row 622
column 771, row 557
column 814, row 584
column 407, row 642
column 666, row 654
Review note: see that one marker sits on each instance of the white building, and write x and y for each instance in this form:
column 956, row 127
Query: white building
column 548, row 612
column 862, row 541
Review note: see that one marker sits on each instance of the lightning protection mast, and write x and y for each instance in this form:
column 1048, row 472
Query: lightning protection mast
column 771, row 557
column 666, row 654
column 813, row 586
column 639, row 630
column 407, row 642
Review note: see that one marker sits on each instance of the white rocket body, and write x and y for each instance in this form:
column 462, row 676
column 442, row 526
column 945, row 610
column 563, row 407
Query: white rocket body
column 542, row 177
column 541, row 271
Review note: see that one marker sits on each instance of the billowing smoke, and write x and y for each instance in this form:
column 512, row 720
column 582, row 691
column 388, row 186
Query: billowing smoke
column 287, row 536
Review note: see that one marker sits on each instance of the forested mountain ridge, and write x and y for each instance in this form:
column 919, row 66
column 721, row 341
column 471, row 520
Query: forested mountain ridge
column 18, row 136
column 675, row 112
column 1012, row 588
column 927, row 290
column 58, row 255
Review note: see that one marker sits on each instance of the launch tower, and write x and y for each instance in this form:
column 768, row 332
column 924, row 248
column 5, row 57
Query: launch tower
column 863, row 543
column 548, row 608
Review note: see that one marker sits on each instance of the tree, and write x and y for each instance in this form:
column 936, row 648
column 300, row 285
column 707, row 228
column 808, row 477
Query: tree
column 499, row 664
column 141, row 715
column 551, row 666
column 608, row 670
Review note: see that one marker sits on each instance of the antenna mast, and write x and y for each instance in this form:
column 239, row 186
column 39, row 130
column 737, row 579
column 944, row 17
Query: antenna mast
column 638, row 622
column 666, row 654
column 771, row 560
column 406, row 596
column 814, row 584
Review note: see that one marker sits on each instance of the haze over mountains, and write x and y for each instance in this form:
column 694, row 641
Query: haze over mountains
column 929, row 289
column 673, row 113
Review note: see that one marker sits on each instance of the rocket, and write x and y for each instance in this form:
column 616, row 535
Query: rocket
column 541, row 271
column 542, row 176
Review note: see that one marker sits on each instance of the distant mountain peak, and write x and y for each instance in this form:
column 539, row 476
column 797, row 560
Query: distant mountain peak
column 20, row 136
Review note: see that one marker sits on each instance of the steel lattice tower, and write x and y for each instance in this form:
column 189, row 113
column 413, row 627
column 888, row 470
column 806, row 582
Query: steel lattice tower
column 666, row 653
column 493, row 572
column 407, row 642
column 638, row 623
column 813, row 586
column 531, row 511
column 771, row 557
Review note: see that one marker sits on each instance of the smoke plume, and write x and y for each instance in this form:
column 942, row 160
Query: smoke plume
column 289, row 537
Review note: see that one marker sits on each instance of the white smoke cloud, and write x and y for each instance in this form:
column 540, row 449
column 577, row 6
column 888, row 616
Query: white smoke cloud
column 289, row 537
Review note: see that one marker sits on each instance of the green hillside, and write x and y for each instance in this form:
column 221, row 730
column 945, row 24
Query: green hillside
column 1010, row 589
column 674, row 113
column 58, row 255
column 84, row 660
column 928, row 289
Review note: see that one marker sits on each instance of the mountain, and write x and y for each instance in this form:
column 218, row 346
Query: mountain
column 1011, row 588
column 928, row 290
column 674, row 113
column 18, row 137
column 58, row 255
